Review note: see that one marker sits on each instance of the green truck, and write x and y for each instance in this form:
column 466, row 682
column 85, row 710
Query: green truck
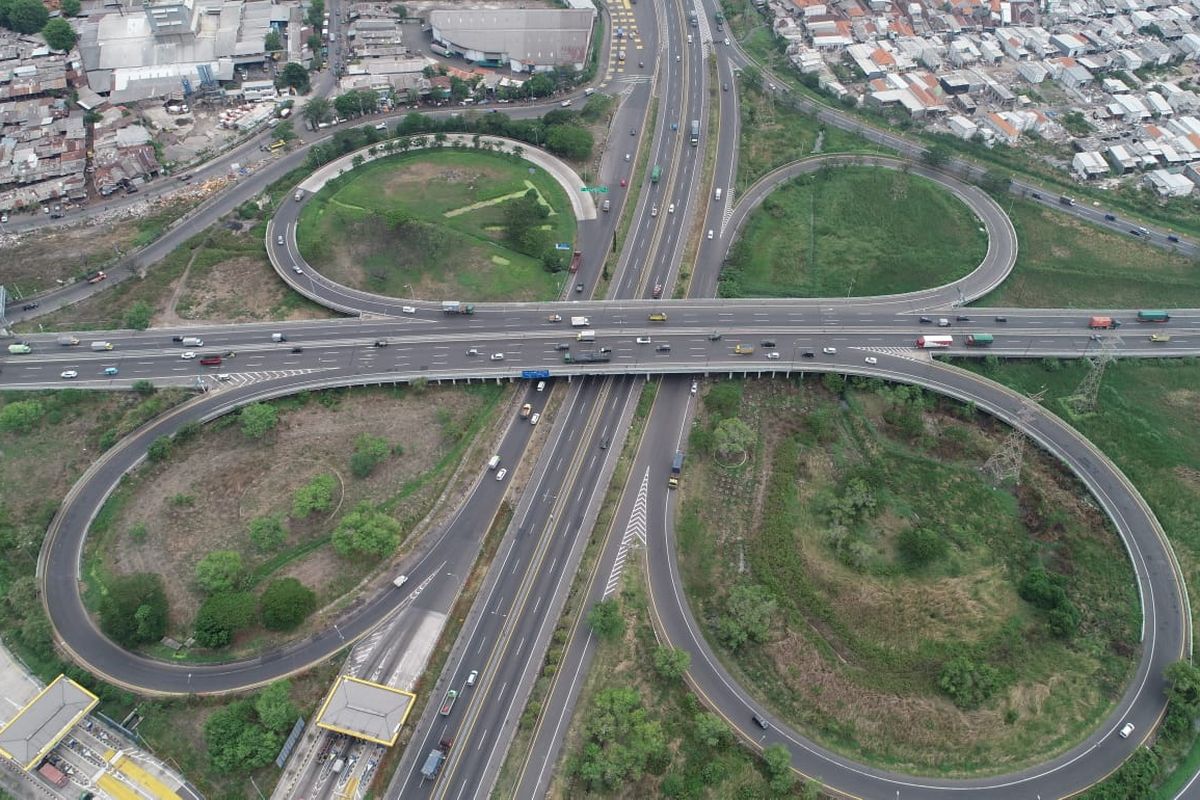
column 19, row 349
column 655, row 173
column 979, row 339
column 1153, row 316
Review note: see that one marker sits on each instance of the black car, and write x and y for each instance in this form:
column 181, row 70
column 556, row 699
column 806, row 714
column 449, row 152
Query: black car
column 29, row 306
column 926, row 321
column 381, row 343
column 1110, row 217
column 663, row 348
column 714, row 337
column 809, row 354
column 176, row 338
column 297, row 349
column 768, row 342
column 1035, row 195
column 561, row 346
column 961, row 318
column 1001, row 319
column 760, row 722
column 605, row 350
column 1172, row 238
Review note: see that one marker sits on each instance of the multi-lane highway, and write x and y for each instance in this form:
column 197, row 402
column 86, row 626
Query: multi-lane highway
column 505, row 636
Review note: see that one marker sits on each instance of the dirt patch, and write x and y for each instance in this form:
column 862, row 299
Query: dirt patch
column 240, row 289
column 203, row 497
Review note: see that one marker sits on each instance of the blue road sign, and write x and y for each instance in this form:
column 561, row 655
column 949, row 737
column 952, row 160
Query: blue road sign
column 535, row 373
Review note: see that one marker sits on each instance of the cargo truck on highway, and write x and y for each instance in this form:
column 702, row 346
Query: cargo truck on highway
column 98, row 346
column 1104, row 322
column 676, row 469
column 933, row 342
column 95, row 276
column 580, row 322
column 455, row 307
column 576, row 260
column 1153, row 316
column 52, row 775
column 979, row 340
column 586, row 358
column 585, row 336
column 435, row 759
column 68, row 341
column 19, row 349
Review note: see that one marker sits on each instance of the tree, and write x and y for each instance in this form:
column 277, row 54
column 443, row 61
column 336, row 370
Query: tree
column 59, row 34
column 606, row 620
column 366, row 531
column 26, row 16
column 286, row 131
column 138, row 316
column 937, row 155
column 21, row 416
column 135, row 609
column 969, row 685
column 294, row 76
column 621, row 740
column 219, row 571
column 316, row 13
column 275, row 708
column 236, row 741
column 1183, row 688
column 748, row 614
column 400, row 11
column 732, row 438
column 160, row 448
column 671, row 662
column 570, row 142
column 921, row 546
column 315, row 42
column 523, row 220
column 709, row 729
column 285, row 603
column 273, row 42
column 70, row 8
column 223, row 615
column 779, row 768
column 316, row 495
column 267, row 533
column 258, row 419
column 143, row 387
column 317, row 110
column 369, row 452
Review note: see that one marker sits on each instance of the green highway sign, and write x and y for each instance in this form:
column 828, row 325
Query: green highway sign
column 594, row 189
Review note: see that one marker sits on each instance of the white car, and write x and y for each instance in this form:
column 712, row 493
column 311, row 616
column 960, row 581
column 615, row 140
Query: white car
column 190, row 354
column 400, row 581
column 409, row 309
column 474, row 676
column 654, row 211
column 643, row 340
column 627, row 156
column 829, row 351
column 1126, row 729
column 381, row 126
column 541, row 387
column 773, row 356
column 500, row 475
column 695, row 386
column 497, row 356
column 671, row 208
column 710, row 233
column 68, row 374
column 871, row 360
column 474, row 351
column 727, row 43
column 534, row 419
column 297, row 270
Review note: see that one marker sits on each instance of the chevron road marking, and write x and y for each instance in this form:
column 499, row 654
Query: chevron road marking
column 237, row 379
column 910, row 353
column 635, row 535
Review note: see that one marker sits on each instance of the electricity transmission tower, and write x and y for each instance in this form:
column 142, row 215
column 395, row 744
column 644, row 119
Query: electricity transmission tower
column 1084, row 399
column 1006, row 462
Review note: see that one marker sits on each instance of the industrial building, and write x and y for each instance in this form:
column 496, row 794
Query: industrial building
column 522, row 40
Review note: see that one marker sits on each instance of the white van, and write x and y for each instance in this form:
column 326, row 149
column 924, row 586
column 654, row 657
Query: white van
column 409, row 309
column 588, row 92
column 193, row 341
column 278, row 337
column 718, row 193
column 493, row 462
column 585, row 336
column 400, row 581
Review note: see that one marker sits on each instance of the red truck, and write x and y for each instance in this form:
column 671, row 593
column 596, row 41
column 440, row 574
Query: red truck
column 576, row 260
column 1104, row 322
column 210, row 361
column 95, row 276
column 52, row 775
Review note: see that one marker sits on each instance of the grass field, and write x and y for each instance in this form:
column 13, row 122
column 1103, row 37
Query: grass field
column 853, row 231
column 819, row 515
column 430, row 225
column 1063, row 262
column 237, row 479
column 773, row 134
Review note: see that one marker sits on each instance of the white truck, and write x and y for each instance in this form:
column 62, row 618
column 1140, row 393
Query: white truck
column 98, row 346
column 585, row 336
column 68, row 341
column 580, row 322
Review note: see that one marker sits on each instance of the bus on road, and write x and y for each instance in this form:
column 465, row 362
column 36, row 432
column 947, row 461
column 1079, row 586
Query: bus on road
column 1153, row 316
column 695, row 132
column 655, row 173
